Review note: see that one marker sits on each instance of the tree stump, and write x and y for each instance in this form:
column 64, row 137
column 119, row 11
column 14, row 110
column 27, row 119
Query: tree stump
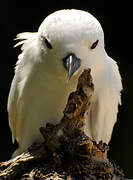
column 67, row 153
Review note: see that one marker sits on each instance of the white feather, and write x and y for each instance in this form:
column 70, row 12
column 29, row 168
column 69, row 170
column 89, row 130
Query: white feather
column 39, row 90
column 104, row 107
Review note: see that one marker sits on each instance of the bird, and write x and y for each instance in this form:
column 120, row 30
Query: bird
column 47, row 71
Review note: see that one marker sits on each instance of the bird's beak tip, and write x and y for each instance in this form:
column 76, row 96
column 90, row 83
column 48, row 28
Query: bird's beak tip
column 68, row 77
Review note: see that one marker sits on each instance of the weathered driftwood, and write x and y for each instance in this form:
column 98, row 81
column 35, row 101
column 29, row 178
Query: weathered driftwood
column 66, row 153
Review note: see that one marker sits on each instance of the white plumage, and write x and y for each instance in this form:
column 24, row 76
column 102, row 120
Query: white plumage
column 40, row 87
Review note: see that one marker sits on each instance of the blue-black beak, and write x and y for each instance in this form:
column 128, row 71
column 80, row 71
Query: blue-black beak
column 71, row 64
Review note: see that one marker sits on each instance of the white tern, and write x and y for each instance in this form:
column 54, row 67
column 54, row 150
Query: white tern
column 47, row 70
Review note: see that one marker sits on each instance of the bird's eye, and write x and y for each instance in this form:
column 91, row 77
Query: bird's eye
column 94, row 44
column 49, row 46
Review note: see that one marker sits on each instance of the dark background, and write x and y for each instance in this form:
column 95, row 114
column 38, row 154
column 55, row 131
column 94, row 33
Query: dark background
column 116, row 20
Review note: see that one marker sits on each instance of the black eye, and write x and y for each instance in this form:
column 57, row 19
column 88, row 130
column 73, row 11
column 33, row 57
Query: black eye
column 49, row 46
column 94, row 44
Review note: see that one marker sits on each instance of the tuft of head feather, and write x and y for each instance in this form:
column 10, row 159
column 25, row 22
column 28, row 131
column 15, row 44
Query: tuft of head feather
column 24, row 38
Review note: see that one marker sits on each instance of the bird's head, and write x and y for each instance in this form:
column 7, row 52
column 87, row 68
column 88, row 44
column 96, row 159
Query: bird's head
column 73, row 40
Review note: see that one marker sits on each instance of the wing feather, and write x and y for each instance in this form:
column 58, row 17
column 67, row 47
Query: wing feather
column 104, row 107
column 14, row 100
column 115, row 78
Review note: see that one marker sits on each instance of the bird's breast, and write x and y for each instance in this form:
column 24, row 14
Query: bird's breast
column 49, row 95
